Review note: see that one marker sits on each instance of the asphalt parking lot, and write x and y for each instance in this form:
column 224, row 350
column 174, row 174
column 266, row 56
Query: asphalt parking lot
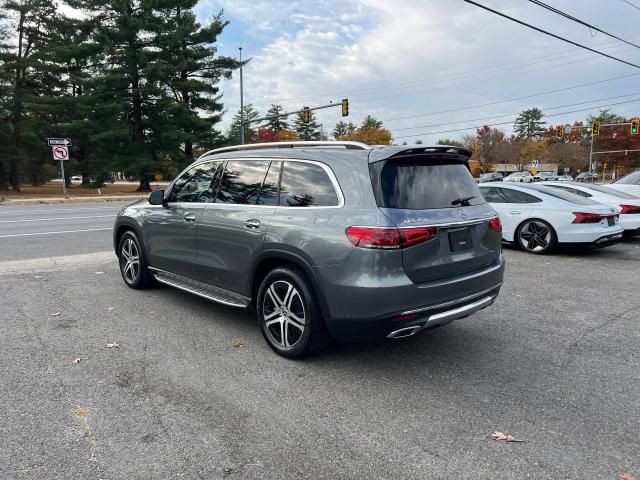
column 193, row 391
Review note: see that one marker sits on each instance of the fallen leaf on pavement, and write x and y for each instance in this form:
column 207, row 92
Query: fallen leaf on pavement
column 110, row 308
column 113, row 345
column 499, row 436
column 99, row 273
column 627, row 476
column 77, row 360
column 55, row 314
column 239, row 344
column 38, row 276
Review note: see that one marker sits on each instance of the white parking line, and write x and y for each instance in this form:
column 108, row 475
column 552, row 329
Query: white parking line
column 53, row 233
column 54, row 218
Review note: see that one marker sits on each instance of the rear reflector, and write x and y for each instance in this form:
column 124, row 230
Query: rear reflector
column 629, row 209
column 495, row 224
column 591, row 217
column 389, row 238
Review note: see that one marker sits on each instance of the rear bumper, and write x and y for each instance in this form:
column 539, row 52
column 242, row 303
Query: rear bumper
column 600, row 242
column 410, row 322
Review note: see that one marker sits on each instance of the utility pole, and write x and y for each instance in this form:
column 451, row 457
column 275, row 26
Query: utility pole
column 241, row 102
column 591, row 155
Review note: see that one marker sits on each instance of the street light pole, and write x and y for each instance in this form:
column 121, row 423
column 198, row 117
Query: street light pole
column 241, row 102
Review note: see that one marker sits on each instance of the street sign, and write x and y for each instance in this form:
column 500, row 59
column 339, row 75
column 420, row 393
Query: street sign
column 60, row 153
column 567, row 130
column 535, row 163
column 65, row 142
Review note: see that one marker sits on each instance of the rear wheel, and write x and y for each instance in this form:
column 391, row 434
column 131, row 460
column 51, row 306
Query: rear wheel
column 133, row 265
column 288, row 313
column 536, row 236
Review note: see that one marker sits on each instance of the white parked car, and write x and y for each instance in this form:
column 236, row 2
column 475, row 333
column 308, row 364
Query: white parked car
column 628, row 184
column 627, row 205
column 522, row 177
column 536, row 218
column 565, row 178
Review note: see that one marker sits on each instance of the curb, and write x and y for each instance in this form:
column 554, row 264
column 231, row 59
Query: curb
column 38, row 201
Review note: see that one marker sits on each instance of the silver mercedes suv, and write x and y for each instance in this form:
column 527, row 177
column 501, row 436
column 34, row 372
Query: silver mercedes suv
column 322, row 239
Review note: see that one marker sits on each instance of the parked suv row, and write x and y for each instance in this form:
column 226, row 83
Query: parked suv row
column 322, row 239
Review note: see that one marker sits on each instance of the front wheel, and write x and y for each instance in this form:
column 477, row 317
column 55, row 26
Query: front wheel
column 133, row 265
column 536, row 236
column 288, row 313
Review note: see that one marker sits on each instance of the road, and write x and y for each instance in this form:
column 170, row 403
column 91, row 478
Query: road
column 33, row 231
column 555, row 362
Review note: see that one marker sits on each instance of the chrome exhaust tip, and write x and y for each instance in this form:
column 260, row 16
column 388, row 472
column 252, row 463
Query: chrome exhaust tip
column 405, row 332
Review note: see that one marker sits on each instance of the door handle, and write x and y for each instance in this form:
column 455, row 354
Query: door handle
column 253, row 223
column 515, row 212
column 189, row 217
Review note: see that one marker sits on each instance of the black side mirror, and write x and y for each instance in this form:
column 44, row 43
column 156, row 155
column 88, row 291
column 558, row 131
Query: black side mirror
column 156, row 197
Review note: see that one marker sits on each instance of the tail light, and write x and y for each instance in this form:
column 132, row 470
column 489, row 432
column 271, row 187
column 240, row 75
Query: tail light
column 495, row 224
column 629, row 209
column 590, row 217
column 389, row 238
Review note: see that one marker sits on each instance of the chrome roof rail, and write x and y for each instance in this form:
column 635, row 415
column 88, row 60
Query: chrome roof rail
column 312, row 144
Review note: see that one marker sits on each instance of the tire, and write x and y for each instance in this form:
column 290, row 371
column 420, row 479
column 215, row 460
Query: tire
column 133, row 263
column 536, row 236
column 288, row 313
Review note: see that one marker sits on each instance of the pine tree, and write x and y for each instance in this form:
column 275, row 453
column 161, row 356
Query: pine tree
column 370, row 122
column 307, row 131
column 20, row 63
column 343, row 129
column 189, row 70
column 529, row 124
column 278, row 124
column 250, row 129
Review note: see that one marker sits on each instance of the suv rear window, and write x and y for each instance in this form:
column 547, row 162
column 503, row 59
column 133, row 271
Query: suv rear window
column 419, row 184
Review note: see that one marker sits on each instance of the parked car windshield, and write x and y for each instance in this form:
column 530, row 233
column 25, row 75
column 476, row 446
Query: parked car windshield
column 419, row 184
column 561, row 194
column 631, row 179
column 612, row 191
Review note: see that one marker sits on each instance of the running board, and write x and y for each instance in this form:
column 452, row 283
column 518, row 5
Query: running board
column 200, row 289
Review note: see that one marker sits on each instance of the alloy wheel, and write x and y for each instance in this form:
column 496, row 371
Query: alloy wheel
column 535, row 236
column 130, row 260
column 283, row 314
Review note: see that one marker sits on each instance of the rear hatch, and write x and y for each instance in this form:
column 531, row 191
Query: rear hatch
column 433, row 187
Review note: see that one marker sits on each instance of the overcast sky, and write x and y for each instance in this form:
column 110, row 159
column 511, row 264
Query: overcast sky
column 404, row 58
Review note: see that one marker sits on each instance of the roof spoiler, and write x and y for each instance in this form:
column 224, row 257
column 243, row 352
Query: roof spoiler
column 379, row 154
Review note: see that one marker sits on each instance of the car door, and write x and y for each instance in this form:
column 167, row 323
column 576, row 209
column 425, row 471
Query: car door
column 170, row 229
column 231, row 231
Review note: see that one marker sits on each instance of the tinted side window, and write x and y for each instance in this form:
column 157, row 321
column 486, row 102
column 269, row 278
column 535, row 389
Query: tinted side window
column 269, row 192
column 516, row 196
column 491, row 195
column 574, row 191
column 305, row 185
column 195, row 185
column 241, row 181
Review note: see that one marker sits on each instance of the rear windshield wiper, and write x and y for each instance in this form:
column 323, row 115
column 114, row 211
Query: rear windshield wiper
column 463, row 201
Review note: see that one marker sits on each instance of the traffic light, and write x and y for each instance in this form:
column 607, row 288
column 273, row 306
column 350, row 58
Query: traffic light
column 595, row 128
column 345, row 107
column 306, row 115
column 634, row 126
column 559, row 131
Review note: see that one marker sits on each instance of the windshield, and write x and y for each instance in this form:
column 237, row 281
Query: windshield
column 631, row 179
column 561, row 194
column 613, row 192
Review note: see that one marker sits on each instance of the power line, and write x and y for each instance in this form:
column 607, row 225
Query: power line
column 632, row 4
column 581, row 22
column 546, row 32
column 514, row 114
column 510, row 122
column 558, row 55
column 539, row 94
